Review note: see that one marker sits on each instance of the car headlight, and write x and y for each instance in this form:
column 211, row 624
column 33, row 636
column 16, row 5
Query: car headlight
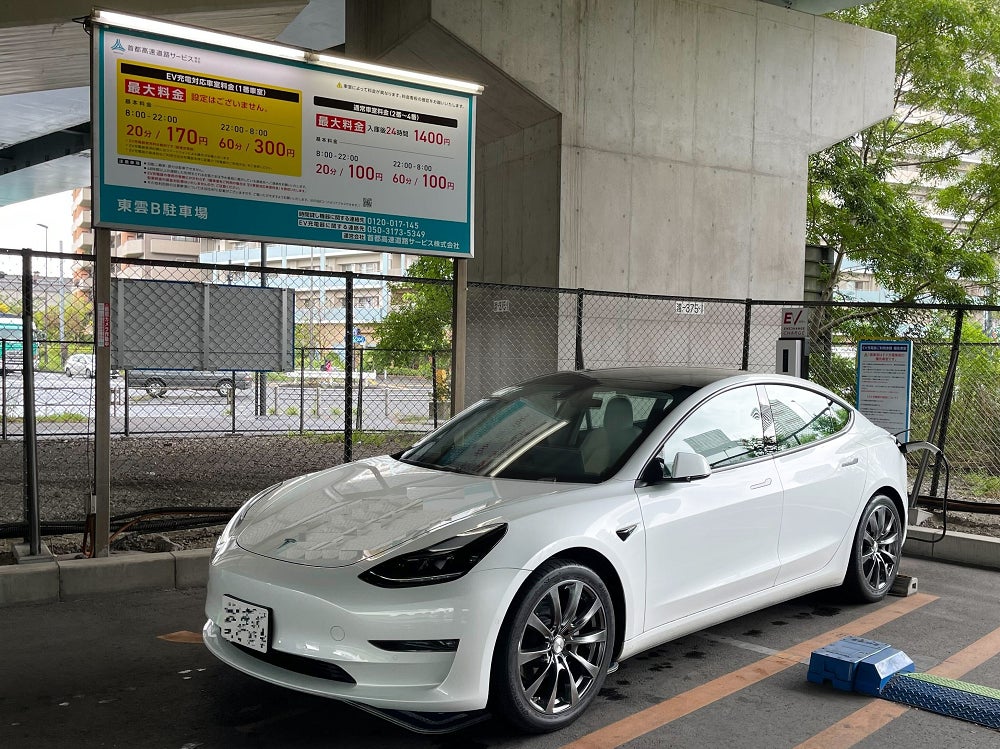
column 229, row 532
column 440, row 563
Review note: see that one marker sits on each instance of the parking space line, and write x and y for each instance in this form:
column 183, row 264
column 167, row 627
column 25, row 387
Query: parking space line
column 863, row 723
column 186, row 636
column 641, row 723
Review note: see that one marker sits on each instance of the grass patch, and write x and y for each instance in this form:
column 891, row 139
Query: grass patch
column 412, row 420
column 64, row 418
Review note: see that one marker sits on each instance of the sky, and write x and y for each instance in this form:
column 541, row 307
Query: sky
column 19, row 227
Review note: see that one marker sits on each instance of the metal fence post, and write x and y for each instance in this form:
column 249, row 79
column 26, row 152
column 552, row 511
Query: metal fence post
column 747, row 312
column 3, row 385
column 31, row 510
column 361, row 385
column 579, row 329
column 348, row 367
column 943, row 405
column 302, row 390
column 232, row 398
column 956, row 350
column 434, row 387
column 126, row 404
column 260, row 378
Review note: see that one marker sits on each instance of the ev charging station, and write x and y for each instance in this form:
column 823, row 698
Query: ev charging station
column 792, row 351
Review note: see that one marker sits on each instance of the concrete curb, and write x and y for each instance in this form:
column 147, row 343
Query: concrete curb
column 47, row 582
column 63, row 580
column 960, row 548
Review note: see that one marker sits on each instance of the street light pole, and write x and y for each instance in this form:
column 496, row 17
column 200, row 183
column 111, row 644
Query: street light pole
column 46, row 248
column 45, row 306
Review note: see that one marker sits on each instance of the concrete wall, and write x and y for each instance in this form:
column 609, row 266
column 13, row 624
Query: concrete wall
column 686, row 127
column 654, row 146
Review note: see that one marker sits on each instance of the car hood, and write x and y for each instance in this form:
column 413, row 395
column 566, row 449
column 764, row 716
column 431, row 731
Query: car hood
column 343, row 515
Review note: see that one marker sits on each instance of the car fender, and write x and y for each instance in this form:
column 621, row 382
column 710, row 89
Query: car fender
column 886, row 468
column 591, row 523
column 627, row 558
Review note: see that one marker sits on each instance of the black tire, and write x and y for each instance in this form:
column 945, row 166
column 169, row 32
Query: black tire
column 563, row 620
column 876, row 553
column 224, row 387
column 156, row 387
column 68, row 372
column 88, row 374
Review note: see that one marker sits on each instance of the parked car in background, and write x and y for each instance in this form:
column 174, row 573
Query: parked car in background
column 82, row 365
column 157, row 382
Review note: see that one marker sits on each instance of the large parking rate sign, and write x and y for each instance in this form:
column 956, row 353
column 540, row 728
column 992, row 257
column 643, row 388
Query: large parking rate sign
column 204, row 140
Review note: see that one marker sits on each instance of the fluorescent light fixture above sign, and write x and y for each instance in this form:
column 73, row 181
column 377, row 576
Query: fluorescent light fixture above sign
column 272, row 49
column 196, row 34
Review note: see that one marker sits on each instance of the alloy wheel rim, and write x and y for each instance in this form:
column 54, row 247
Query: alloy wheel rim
column 562, row 647
column 880, row 548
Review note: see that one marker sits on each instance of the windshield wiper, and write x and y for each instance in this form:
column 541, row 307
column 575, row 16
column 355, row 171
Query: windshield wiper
column 435, row 466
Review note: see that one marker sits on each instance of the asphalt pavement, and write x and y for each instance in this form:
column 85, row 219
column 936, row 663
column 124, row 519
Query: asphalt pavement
column 129, row 670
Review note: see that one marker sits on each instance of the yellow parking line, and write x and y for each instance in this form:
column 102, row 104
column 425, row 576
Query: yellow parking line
column 864, row 722
column 193, row 638
column 654, row 717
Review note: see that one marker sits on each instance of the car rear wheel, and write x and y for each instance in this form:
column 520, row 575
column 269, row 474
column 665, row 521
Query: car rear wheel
column 155, row 387
column 224, row 387
column 88, row 373
column 68, row 371
column 876, row 552
column 554, row 649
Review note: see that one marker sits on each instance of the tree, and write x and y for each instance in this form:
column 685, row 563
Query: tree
column 420, row 320
column 872, row 197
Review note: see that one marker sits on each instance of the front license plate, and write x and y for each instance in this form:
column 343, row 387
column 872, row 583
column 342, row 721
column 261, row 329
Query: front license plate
column 245, row 624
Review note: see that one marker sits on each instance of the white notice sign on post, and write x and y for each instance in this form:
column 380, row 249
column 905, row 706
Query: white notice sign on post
column 884, row 382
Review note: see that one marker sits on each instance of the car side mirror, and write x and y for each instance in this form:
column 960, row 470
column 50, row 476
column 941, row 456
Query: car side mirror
column 690, row 466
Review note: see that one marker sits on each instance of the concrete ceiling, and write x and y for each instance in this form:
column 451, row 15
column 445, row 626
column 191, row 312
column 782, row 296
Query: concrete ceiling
column 45, row 79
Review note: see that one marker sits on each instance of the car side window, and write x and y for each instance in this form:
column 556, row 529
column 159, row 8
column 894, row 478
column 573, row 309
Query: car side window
column 802, row 416
column 726, row 429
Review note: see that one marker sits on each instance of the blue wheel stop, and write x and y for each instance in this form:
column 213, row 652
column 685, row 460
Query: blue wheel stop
column 855, row 664
column 880, row 670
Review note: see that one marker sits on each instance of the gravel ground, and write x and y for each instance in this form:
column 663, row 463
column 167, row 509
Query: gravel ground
column 150, row 473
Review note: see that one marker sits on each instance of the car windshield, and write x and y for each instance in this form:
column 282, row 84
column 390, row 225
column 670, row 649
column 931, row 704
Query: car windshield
column 567, row 427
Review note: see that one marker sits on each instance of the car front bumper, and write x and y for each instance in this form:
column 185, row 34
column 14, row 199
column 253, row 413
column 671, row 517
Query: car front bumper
column 328, row 616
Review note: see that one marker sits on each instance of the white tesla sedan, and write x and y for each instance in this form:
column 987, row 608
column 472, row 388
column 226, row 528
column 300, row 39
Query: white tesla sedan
column 514, row 555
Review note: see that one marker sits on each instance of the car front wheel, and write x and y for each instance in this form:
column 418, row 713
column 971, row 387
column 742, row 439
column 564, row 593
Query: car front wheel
column 224, row 387
column 876, row 552
column 554, row 649
column 156, row 388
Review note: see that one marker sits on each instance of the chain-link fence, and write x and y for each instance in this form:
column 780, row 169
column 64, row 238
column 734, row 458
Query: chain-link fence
column 209, row 437
column 516, row 332
column 208, row 432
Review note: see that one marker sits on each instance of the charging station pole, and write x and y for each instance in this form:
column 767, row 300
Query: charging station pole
column 792, row 351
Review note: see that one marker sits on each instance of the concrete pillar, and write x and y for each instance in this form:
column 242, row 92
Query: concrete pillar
column 657, row 146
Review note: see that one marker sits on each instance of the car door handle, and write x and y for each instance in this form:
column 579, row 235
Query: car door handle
column 851, row 462
column 761, row 484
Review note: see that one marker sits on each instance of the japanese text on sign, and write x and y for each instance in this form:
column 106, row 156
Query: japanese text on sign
column 884, row 376
column 212, row 141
